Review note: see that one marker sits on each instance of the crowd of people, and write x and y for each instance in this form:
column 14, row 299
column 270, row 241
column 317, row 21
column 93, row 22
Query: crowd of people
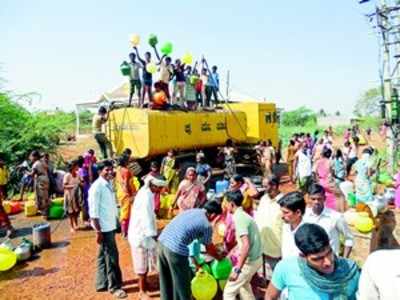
column 174, row 84
column 298, row 242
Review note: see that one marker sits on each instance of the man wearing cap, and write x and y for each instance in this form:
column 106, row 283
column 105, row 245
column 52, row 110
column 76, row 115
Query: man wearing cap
column 142, row 231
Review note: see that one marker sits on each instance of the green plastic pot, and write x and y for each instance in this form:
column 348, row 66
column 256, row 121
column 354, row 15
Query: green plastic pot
column 351, row 199
column 56, row 212
column 125, row 69
column 221, row 269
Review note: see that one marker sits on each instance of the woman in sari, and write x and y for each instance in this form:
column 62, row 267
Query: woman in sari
column 170, row 172
column 41, row 183
column 125, row 193
column 191, row 192
column 248, row 190
column 363, row 170
column 323, row 170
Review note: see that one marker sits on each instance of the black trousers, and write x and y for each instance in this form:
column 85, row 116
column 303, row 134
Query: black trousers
column 175, row 275
column 108, row 272
column 104, row 144
column 211, row 91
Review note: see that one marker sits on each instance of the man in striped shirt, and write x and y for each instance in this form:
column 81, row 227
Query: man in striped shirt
column 175, row 273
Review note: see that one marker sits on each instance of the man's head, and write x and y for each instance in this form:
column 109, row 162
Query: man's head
column 293, row 207
column 106, row 169
column 327, row 153
column 204, row 71
column 214, row 69
column 147, row 56
column 313, row 243
column 234, row 200
column 200, row 157
column 168, row 60
column 102, row 110
column 123, row 161
column 154, row 166
column 127, row 152
column 157, row 183
column 317, row 198
column 34, row 156
column 132, row 56
column 213, row 210
column 271, row 185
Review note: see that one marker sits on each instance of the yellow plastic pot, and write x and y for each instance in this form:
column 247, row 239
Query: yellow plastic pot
column 364, row 223
column 204, row 286
column 7, row 259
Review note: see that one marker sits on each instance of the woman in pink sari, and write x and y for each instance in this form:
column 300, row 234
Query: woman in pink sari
column 191, row 192
column 323, row 170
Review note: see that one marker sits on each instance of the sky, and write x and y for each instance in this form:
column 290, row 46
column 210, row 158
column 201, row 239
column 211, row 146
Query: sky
column 316, row 53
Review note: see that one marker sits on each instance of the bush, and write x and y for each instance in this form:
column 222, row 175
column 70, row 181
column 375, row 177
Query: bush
column 299, row 117
column 22, row 131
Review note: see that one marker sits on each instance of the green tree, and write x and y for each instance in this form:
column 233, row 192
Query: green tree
column 368, row 103
column 298, row 117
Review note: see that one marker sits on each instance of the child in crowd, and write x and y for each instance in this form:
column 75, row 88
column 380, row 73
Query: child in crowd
column 72, row 194
column 134, row 77
column 212, row 86
column 159, row 100
column 86, row 183
column 190, row 92
column 180, row 81
column 147, row 77
column 204, row 80
column 198, row 87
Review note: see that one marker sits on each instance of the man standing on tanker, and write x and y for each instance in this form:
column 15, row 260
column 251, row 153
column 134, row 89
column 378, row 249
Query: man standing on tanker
column 98, row 120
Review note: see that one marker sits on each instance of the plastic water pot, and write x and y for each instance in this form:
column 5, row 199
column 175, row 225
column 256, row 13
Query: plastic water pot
column 221, row 269
column 56, row 212
column 30, row 208
column 204, row 286
column 364, row 223
column 221, row 186
column 7, row 259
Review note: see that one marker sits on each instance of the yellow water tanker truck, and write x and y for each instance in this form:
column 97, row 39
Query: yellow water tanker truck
column 150, row 133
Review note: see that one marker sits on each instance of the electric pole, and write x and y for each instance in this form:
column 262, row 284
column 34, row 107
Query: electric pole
column 385, row 21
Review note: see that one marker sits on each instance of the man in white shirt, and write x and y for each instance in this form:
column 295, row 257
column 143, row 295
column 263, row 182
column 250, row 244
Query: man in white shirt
column 303, row 167
column 104, row 214
column 332, row 221
column 143, row 231
column 380, row 276
column 268, row 218
column 292, row 207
